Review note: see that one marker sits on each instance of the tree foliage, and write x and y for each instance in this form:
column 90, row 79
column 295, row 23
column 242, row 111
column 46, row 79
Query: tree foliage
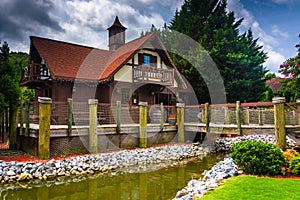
column 291, row 71
column 238, row 57
column 10, row 63
column 9, row 82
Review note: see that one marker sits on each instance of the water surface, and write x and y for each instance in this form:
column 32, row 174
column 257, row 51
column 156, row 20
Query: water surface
column 144, row 185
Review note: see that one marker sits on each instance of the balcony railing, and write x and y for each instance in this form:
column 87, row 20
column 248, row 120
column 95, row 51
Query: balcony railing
column 153, row 75
column 35, row 72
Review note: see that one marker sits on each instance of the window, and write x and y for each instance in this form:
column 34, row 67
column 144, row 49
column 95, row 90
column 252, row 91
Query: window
column 146, row 60
column 135, row 98
column 125, row 96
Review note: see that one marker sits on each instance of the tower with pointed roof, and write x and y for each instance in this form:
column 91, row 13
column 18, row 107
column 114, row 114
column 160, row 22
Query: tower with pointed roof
column 116, row 33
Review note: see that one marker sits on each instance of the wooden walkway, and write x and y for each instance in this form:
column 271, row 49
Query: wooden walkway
column 231, row 129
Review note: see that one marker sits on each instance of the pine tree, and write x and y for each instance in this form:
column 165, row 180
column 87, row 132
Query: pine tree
column 239, row 58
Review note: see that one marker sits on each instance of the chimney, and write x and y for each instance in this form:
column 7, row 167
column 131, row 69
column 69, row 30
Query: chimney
column 116, row 35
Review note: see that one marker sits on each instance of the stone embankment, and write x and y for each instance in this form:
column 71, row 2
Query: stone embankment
column 215, row 176
column 89, row 164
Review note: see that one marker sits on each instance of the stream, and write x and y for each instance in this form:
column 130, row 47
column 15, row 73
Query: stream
column 123, row 184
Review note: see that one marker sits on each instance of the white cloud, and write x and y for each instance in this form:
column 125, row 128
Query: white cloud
column 274, row 60
column 85, row 22
column 277, row 32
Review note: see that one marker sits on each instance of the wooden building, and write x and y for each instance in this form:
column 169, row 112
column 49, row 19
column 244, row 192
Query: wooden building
column 140, row 70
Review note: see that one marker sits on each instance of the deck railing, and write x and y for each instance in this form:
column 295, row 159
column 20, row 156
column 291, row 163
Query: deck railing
column 152, row 74
column 254, row 113
column 106, row 113
column 257, row 113
column 35, row 71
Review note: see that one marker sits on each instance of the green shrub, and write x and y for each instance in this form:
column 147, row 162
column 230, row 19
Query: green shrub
column 258, row 158
column 295, row 165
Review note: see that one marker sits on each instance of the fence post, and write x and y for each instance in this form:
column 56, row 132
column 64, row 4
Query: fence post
column 294, row 122
column 260, row 117
column 118, row 116
column 298, row 106
column 246, row 114
column 279, row 122
column 180, row 121
column 227, row 115
column 27, row 118
column 70, row 117
column 206, row 116
column 93, row 140
column 21, row 131
column 162, row 116
column 143, row 124
column 2, row 126
column 7, row 120
column 44, row 127
column 13, row 132
column 238, row 117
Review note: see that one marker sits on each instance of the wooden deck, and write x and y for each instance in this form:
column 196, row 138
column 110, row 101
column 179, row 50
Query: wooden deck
column 106, row 129
column 231, row 129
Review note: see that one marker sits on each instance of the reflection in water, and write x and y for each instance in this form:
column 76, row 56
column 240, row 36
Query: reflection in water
column 160, row 184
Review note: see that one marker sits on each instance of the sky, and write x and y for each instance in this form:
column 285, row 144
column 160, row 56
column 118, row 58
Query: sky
column 275, row 22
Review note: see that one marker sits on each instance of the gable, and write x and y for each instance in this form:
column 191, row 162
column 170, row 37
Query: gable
column 72, row 61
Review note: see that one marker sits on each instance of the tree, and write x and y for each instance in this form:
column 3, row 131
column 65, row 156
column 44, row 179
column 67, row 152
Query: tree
column 291, row 71
column 239, row 58
column 268, row 94
column 10, row 92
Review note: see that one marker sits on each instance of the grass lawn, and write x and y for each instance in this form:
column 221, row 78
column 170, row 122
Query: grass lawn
column 250, row 187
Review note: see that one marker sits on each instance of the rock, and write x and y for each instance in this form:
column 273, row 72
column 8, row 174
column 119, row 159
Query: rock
column 22, row 176
column 10, row 173
column 181, row 193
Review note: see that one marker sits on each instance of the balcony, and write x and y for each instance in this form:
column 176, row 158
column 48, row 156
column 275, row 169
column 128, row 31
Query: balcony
column 153, row 75
column 34, row 74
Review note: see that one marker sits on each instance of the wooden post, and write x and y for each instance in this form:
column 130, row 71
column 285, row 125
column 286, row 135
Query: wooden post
column 21, row 131
column 2, row 127
column 93, row 140
column 279, row 122
column 13, row 132
column 238, row 117
column 294, row 122
column 27, row 118
column 143, row 124
column 118, row 116
column 44, row 127
column 70, row 117
column 180, row 121
column 7, row 120
column 246, row 113
column 206, row 117
column 260, row 117
column 162, row 116
column 227, row 115
column 298, row 106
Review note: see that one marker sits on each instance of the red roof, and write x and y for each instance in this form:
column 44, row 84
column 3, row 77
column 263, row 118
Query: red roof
column 72, row 61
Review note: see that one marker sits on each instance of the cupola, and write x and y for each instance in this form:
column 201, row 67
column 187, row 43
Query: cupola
column 116, row 35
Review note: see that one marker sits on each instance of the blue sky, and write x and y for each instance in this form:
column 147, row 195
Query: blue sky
column 275, row 22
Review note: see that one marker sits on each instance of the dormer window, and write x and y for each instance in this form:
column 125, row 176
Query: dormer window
column 147, row 60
